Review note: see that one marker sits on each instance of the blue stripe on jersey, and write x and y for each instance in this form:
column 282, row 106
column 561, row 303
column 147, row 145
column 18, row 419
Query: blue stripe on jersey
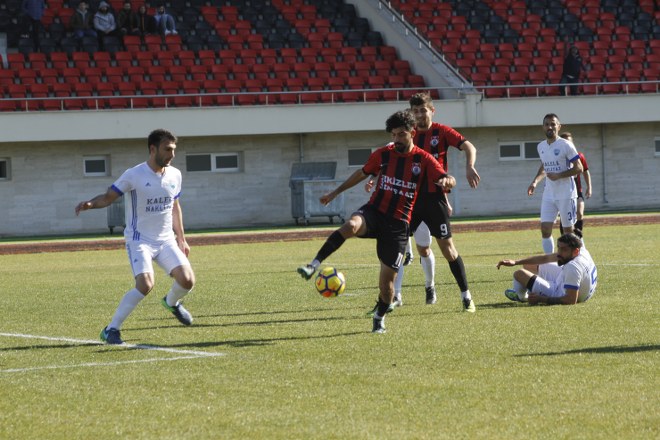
column 136, row 233
column 117, row 190
column 568, row 286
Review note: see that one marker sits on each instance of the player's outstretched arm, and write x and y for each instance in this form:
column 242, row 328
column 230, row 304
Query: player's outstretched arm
column 100, row 201
column 355, row 178
column 534, row 260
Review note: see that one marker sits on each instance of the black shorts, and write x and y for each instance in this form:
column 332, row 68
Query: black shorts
column 391, row 235
column 432, row 209
column 580, row 196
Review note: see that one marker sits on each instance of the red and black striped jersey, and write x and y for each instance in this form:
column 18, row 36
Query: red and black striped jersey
column 400, row 177
column 436, row 141
column 578, row 178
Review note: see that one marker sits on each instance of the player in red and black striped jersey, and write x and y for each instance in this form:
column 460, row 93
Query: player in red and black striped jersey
column 432, row 211
column 579, row 214
column 402, row 170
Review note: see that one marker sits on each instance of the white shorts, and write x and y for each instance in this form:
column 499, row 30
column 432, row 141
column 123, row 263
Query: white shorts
column 423, row 235
column 549, row 281
column 566, row 208
column 168, row 256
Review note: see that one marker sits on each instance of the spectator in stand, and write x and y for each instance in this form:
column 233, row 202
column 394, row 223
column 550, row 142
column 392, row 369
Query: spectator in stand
column 82, row 22
column 127, row 20
column 104, row 21
column 571, row 73
column 32, row 10
column 146, row 23
column 164, row 22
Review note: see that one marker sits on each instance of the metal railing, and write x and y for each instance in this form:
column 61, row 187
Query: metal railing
column 193, row 100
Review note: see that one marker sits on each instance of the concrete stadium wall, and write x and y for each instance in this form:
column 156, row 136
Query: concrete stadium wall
column 47, row 176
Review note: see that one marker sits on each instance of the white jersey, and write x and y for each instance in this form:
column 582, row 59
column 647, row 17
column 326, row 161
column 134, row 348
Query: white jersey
column 556, row 158
column 149, row 201
column 580, row 273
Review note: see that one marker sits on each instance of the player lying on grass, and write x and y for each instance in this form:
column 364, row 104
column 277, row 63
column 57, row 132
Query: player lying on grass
column 568, row 276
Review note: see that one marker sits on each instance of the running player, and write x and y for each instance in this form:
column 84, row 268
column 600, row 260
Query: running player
column 154, row 231
column 402, row 169
column 432, row 211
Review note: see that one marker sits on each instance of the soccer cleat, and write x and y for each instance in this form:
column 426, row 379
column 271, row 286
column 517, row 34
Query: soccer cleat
column 512, row 295
column 111, row 336
column 468, row 305
column 408, row 258
column 306, row 271
column 178, row 311
column 430, row 295
column 398, row 302
column 379, row 326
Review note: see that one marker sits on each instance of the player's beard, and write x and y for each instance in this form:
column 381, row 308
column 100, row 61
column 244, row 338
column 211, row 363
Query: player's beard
column 561, row 261
column 399, row 147
column 161, row 162
column 550, row 134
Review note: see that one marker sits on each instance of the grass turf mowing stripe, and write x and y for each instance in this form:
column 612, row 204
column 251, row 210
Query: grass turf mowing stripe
column 99, row 364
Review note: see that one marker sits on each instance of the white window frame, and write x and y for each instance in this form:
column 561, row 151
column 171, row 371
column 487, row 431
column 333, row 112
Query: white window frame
column 106, row 162
column 213, row 159
column 521, row 150
column 348, row 157
column 7, row 163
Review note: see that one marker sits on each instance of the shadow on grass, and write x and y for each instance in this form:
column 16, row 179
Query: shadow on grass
column 598, row 350
column 242, row 343
column 44, row 346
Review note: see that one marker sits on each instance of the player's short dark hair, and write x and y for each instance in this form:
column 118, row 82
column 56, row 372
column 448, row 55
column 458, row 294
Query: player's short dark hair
column 566, row 135
column 550, row 115
column 403, row 118
column 421, row 98
column 157, row 136
column 571, row 240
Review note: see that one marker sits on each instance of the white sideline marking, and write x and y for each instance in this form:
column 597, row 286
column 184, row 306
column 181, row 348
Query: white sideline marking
column 186, row 354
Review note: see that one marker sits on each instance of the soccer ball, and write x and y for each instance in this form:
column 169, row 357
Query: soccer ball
column 330, row 282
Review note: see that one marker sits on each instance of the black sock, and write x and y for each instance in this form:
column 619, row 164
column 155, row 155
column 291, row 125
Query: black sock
column 382, row 308
column 333, row 243
column 578, row 225
column 458, row 270
column 530, row 283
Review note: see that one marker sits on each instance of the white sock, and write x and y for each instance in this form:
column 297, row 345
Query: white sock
column 548, row 245
column 520, row 290
column 428, row 265
column 315, row 263
column 398, row 281
column 175, row 294
column 127, row 304
column 466, row 295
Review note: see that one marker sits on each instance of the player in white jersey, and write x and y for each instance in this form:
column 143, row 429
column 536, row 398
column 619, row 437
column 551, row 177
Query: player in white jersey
column 567, row 277
column 559, row 163
column 154, row 231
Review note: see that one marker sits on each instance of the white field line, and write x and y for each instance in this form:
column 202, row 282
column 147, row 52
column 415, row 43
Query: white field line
column 186, row 354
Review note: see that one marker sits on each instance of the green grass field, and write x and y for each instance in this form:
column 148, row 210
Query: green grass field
column 268, row 358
